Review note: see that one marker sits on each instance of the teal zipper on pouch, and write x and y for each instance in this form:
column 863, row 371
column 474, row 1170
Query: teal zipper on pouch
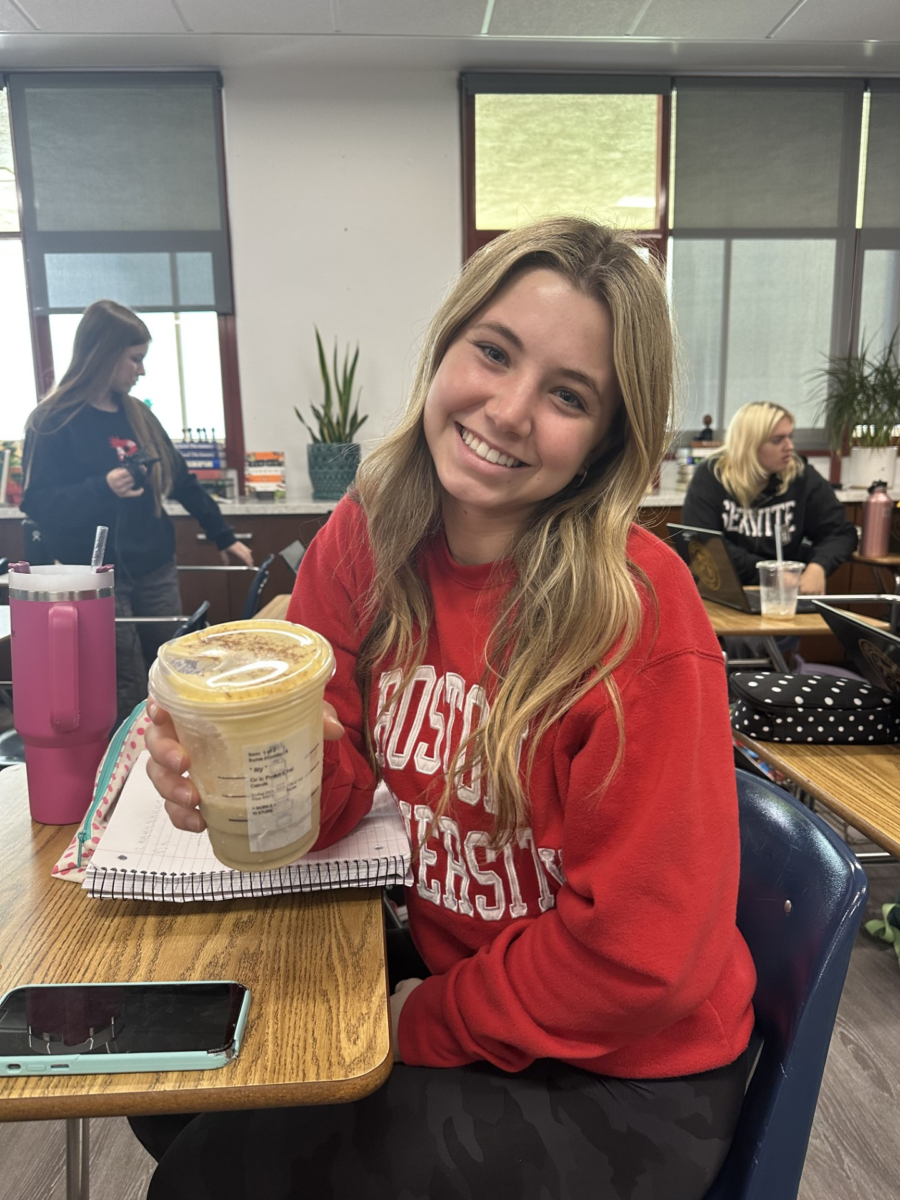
column 110, row 758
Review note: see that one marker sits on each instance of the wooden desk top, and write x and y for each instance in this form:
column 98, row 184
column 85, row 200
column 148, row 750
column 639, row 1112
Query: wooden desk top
column 276, row 609
column 730, row 622
column 318, row 1029
column 859, row 783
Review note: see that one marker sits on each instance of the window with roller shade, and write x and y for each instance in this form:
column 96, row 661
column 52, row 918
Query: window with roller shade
column 763, row 238
column 122, row 192
column 585, row 145
column 776, row 206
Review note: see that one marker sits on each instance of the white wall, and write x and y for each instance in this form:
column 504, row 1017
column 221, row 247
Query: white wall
column 345, row 208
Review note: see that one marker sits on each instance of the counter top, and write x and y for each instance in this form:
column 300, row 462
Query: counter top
column 670, row 498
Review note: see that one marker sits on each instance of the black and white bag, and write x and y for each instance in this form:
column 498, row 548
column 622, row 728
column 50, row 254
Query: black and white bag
column 813, row 708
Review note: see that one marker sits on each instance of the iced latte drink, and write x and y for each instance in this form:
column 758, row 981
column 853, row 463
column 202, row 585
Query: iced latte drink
column 246, row 700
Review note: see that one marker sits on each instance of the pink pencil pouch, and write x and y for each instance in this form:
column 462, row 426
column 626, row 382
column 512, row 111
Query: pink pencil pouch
column 121, row 755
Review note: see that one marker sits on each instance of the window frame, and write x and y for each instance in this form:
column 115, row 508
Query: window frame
column 42, row 351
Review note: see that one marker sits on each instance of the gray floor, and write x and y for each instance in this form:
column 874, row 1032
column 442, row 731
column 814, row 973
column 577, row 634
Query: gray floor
column 854, row 1152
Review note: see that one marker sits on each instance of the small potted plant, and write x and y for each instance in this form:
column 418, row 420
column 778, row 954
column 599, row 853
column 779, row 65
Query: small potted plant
column 333, row 455
column 861, row 408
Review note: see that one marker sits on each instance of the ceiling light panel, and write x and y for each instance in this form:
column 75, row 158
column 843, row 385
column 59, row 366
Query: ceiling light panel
column 705, row 20
column 428, row 18
column 579, row 18
column 263, row 16
column 838, row 21
column 103, row 16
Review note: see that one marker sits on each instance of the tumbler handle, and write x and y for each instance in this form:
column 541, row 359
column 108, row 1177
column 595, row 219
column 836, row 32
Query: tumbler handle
column 62, row 629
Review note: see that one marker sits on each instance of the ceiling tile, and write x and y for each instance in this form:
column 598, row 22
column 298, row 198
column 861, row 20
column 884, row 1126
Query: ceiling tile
column 839, row 21
column 104, row 16
column 263, row 16
column 706, row 20
column 579, row 18
column 12, row 21
column 435, row 18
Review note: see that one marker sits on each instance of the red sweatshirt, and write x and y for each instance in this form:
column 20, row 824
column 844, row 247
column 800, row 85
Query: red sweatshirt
column 605, row 935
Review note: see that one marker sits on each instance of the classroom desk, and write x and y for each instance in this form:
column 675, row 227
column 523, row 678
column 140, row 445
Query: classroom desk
column 861, row 784
column 731, row 622
column 276, row 609
column 318, row 1029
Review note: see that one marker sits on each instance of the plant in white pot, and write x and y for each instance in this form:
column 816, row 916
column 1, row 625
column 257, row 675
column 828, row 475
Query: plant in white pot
column 333, row 455
column 861, row 407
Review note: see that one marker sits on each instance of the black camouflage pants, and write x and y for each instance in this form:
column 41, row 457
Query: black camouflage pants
column 551, row 1132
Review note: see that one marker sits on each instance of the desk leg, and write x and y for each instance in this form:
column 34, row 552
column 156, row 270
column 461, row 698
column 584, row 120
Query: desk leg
column 77, row 1158
column 775, row 654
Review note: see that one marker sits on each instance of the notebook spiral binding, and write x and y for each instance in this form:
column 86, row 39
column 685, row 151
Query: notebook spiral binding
column 120, row 884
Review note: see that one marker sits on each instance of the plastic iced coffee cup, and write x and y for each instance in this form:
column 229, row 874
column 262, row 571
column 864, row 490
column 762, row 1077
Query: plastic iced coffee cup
column 779, row 587
column 246, row 700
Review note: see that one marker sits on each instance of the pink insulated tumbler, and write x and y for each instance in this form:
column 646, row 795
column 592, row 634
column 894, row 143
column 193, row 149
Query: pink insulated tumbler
column 64, row 681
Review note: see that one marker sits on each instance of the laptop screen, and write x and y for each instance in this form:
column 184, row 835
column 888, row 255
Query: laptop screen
column 875, row 653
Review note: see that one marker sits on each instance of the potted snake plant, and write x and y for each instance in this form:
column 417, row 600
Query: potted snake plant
column 333, row 455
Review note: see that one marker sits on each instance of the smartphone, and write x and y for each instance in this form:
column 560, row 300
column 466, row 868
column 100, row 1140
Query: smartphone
column 98, row 1028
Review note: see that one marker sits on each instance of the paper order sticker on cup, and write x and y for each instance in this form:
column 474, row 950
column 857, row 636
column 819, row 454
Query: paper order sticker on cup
column 246, row 699
column 279, row 778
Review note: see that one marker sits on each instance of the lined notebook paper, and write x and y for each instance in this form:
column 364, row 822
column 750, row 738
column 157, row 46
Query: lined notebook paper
column 142, row 856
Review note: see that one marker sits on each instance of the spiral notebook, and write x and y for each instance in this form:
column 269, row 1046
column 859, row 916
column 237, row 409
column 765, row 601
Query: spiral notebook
column 142, row 856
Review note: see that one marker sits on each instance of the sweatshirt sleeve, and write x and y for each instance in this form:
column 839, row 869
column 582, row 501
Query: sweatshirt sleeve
column 646, row 915
column 702, row 509
column 202, row 507
column 834, row 538
column 52, row 498
column 328, row 597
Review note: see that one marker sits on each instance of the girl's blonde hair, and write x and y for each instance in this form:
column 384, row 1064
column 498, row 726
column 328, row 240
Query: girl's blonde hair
column 574, row 610
column 105, row 331
column 737, row 465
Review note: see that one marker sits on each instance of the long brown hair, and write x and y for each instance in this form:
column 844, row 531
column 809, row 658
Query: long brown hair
column 105, row 331
column 574, row 609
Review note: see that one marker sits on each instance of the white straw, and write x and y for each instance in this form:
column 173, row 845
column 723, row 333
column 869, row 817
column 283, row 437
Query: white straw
column 779, row 571
column 99, row 547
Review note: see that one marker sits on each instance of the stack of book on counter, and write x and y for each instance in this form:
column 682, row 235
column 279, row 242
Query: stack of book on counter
column 264, row 474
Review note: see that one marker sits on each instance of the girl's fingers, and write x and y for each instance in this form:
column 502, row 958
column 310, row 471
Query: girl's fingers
column 174, row 788
column 188, row 819
column 332, row 729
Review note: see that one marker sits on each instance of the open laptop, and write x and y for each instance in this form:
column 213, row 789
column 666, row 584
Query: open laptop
column 707, row 556
column 874, row 653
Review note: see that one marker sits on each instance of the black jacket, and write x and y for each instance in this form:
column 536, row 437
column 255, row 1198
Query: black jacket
column 814, row 525
column 68, row 497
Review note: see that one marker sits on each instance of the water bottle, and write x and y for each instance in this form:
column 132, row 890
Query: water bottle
column 878, row 509
column 64, row 681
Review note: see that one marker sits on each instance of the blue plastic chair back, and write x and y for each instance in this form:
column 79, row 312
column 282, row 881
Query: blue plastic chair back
column 260, row 579
column 801, row 900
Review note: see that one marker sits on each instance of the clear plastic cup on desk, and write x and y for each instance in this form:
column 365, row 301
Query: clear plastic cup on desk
column 779, row 588
column 246, row 700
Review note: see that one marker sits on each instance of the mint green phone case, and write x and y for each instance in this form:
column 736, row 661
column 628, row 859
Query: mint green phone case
column 50, row 1063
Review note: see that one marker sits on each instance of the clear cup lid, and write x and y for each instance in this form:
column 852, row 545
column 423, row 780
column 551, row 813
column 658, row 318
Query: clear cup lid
column 241, row 662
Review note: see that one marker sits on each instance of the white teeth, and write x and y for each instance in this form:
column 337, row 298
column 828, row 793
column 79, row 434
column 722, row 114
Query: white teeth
column 483, row 450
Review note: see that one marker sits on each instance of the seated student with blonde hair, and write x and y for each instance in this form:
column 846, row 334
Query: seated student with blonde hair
column 534, row 677
column 758, row 480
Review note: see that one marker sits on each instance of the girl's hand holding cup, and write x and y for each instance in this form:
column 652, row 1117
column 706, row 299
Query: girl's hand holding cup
column 169, row 760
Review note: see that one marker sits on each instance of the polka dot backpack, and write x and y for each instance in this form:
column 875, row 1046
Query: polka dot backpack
column 813, row 708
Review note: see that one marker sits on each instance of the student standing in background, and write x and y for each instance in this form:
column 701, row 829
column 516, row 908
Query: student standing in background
column 758, row 478
column 77, row 442
column 534, row 677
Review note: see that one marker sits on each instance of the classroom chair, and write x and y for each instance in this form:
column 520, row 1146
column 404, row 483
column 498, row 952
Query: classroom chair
column 260, row 579
column 801, row 899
